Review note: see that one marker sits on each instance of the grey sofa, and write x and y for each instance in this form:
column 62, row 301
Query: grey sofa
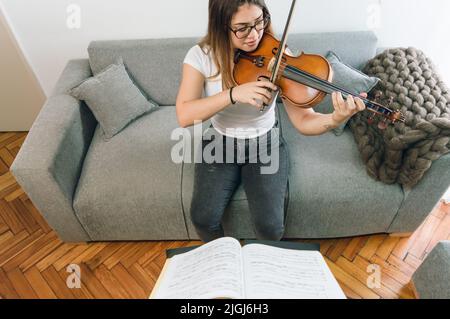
column 129, row 188
column 431, row 280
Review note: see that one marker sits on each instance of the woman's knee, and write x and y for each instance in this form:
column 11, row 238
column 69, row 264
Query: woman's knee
column 207, row 230
column 205, row 224
column 269, row 232
column 204, row 218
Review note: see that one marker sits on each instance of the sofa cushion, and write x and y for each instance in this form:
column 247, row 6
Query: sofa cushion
column 431, row 279
column 129, row 186
column 156, row 64
column 153, row 64
column 348, row 78
column 113, row 98
column 330, row 193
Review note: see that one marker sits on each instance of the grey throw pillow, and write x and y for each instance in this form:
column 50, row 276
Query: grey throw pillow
column 348, row 78
column 113, row 98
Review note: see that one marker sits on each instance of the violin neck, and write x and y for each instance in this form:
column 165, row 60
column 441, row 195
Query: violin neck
column 310, row 80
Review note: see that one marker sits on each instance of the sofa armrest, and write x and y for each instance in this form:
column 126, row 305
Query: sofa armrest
column 49, row 162
column 422, row 198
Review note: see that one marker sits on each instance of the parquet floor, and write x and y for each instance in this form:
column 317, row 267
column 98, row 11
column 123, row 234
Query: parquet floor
column 33, row 260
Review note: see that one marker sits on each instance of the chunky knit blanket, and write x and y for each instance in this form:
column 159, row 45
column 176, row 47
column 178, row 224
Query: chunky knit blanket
column 403, row 152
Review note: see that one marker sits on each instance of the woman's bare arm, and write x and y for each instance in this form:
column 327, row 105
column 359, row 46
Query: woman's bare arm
column 190, row 106
column 309, row 122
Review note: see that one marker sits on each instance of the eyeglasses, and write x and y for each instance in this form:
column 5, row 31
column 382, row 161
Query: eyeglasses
column 245, row 31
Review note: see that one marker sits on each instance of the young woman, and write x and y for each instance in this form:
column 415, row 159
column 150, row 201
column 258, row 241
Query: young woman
column 235, row 116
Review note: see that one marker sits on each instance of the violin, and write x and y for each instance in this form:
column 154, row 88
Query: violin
column 303, row 80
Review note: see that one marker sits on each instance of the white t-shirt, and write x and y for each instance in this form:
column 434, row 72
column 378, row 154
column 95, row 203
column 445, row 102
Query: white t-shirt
column 236, row 120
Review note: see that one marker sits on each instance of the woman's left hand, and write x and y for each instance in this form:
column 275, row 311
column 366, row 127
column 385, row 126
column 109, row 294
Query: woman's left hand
column 343, row 110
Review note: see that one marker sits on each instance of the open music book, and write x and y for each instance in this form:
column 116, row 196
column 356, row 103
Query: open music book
column 223, row 269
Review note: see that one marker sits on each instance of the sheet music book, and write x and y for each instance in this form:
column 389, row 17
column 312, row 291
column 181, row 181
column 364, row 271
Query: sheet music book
column 222, row 269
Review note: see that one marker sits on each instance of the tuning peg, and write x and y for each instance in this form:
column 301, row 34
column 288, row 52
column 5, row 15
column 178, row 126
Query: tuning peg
column 391, row 99
column 382, row 125
column 371, row 118
column 378, row 95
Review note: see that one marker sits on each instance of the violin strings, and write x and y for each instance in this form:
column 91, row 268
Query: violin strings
column 328, row 85
column 323, row 85
column 312, row 77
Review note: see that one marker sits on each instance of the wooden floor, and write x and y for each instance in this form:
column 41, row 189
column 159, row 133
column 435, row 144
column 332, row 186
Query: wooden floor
column 33, row 260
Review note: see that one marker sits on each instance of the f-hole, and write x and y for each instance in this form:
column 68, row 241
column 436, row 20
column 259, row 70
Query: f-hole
column 262, row 77
column 274, row 52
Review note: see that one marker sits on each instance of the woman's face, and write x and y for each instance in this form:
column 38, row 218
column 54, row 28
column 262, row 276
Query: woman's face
column 247, row 15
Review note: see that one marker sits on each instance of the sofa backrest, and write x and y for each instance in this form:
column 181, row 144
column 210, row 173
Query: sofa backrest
column 156, row 64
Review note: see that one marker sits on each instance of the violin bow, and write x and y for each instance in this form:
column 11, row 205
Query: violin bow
column 320, row 84
column 281, row 48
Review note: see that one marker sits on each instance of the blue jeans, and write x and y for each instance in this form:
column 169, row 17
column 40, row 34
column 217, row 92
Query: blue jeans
column 215, row 183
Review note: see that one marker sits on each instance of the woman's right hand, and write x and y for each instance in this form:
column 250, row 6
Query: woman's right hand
column 254, row 93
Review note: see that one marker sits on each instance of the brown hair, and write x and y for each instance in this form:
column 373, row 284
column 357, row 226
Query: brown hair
column 218, row 36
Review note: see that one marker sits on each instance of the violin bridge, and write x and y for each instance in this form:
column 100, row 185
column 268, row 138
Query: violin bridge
column 271, row 65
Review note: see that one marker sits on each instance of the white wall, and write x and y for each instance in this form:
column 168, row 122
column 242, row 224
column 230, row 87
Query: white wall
column 17, row 110
column 41, row 29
